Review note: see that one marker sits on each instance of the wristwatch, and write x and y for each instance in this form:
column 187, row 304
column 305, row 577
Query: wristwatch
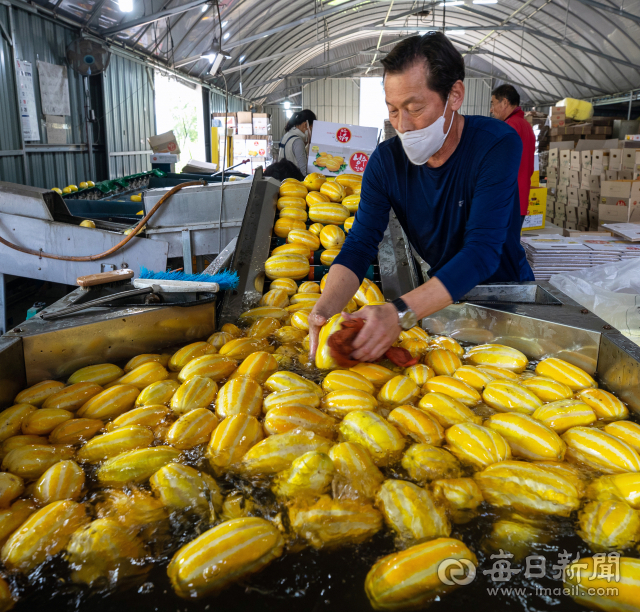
column 406, row 317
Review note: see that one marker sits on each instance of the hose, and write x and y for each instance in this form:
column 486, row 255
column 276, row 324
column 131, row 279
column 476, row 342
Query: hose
column 113, row 249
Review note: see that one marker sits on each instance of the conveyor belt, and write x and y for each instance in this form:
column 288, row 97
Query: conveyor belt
column 394, row 270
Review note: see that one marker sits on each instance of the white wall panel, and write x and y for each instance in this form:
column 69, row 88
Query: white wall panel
column 336, row 100
column 477, row 97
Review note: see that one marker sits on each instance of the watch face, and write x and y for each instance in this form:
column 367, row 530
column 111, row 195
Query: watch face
column 409, row 319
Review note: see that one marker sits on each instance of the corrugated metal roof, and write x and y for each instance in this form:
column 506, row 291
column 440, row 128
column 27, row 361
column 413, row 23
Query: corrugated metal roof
column 554, row 49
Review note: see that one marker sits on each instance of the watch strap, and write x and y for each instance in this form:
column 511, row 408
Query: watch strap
column 400, row 304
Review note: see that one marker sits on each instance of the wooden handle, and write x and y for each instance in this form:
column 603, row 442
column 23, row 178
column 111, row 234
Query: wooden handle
column 104, row 277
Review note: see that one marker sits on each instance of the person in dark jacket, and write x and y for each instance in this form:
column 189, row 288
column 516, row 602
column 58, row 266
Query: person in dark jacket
column 452, row 182
column 505, row 105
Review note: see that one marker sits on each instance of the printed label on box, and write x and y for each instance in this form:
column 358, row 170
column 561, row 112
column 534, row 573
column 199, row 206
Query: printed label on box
column 340, row 149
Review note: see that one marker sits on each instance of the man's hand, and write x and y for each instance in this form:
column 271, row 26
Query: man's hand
column 316, row 321
column 380, row 331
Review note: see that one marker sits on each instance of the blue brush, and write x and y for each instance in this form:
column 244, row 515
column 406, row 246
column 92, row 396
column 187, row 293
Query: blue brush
column 225, row 279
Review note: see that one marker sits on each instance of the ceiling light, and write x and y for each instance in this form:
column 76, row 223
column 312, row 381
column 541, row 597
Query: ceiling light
column 288, row 113
column 126, row 6
column 214, row 51
column 224, row 23
column 217, row 61
column 241, row 59
column 225, row 36
column 337, row 2
column 287, row 104
column 204, row 8
column 485, row 1
column 457, row 32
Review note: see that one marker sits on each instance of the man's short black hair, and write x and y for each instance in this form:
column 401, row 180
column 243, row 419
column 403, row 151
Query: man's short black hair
column 444, row 64
column 509, row 92
column 283, row 169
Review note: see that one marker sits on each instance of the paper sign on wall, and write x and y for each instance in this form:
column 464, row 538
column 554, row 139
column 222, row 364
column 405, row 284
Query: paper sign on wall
column 337, row 148
column 27, row 101
column 54, row 89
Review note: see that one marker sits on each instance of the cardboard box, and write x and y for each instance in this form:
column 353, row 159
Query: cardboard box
column 615, row 159
column 573, row 195
column 245, row 117
column 537, row 209
column 571, row 213
column 583, row 215
column 552, row 183
column 575, row 160
column 634, row 203
column 585, row 176
column 217, row 119
column 610, row 175
column 261, row 123
column 594, row 182
column 614, row 202
column 599, row 161
column 552, row 172
column 628, row 159
column 583, row 197
column 582, row 129
column 625, row 175
column 164, row 158
column 535, row 179
column 565, row 172
column 559, row 210
column 553, row 158
column 561, row 195
column 564, row 158
column 585, row 160
column 239, row 146
column 349, row 145
column 164, row 143
column 594, row 200
column 593, row 218
column 570, row 225
column 574, row 179
column 256, row 147
column 602, row 130
column 245, row 129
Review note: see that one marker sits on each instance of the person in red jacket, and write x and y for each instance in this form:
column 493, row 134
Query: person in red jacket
column 505, row 105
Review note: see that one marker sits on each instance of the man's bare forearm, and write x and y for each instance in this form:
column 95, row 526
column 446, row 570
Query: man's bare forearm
column 428, row 298
column 340, row 287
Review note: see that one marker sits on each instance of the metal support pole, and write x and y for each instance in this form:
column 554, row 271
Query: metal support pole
column 187, row 253
column 630, row 101
column 14, row 57
column 3, row 306
column 89, row 129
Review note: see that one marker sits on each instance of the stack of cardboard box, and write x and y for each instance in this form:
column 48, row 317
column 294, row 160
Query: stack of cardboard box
column 248, row 137
column 589, row 188
column 565, row 129
column 573, row 190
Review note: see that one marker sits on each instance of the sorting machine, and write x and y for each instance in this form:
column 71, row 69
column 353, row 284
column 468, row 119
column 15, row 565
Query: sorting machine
column 532, row 317
column 185, row 228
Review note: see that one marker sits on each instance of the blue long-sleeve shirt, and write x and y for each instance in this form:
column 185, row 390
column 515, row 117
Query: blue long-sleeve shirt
column 463, row 218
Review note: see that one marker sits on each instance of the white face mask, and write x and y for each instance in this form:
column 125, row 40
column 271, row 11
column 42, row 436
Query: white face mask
column 420, row 145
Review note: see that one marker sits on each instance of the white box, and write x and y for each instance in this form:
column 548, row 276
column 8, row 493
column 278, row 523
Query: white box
column 165, row 158
column 246, row 129
column 256, row 148
column 239, row 147
column 347, row 146
column 261, row 125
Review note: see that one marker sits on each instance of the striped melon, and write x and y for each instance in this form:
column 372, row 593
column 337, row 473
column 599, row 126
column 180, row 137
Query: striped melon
column 287, row 266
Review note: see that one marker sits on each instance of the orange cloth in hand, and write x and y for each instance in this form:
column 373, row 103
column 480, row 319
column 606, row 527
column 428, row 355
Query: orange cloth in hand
column 341, row 346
